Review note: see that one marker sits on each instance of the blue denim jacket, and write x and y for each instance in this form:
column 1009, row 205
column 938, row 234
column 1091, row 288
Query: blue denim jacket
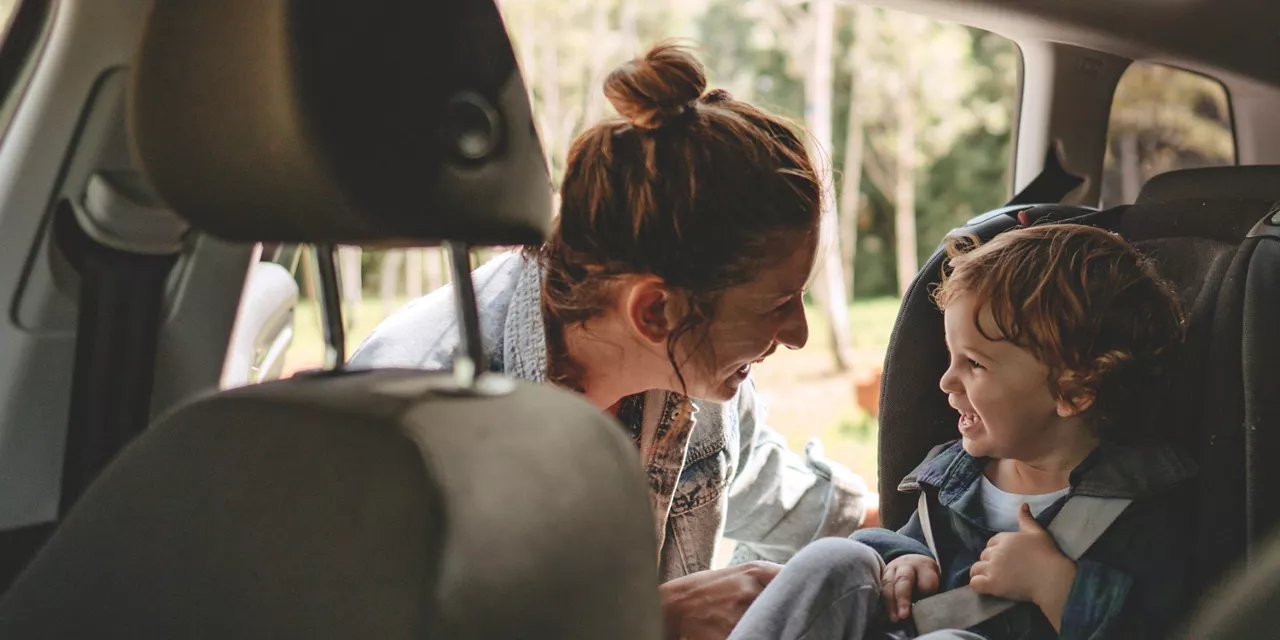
column 1130, row 584
column 714, row 469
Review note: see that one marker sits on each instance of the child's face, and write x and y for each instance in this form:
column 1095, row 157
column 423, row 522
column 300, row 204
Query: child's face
column 1007, row 409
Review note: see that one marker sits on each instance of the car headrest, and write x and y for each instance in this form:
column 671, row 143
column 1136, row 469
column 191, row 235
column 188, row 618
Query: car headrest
column 1259, row 182
column 390, row 122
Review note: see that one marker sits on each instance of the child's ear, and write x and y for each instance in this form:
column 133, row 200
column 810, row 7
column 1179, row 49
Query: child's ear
column 1074, row 402
column 1074, row 396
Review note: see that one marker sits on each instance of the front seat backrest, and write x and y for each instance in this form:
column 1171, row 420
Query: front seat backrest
column 387, row 504
column 361, row 505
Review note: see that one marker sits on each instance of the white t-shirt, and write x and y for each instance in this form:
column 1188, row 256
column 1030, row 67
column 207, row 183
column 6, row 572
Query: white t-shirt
column 1001, row 507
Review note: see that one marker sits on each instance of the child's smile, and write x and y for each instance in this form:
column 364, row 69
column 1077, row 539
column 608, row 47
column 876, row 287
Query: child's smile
column 969, row 423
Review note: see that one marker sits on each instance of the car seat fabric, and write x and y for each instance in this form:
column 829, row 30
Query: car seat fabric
column 356, row 505
column 1244, row 606
column 337, row 122
column 1257, row 182
column 1200, row 244
column 1261, row 353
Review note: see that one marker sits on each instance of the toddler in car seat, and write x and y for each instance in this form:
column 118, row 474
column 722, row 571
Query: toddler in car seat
column 1056, row 513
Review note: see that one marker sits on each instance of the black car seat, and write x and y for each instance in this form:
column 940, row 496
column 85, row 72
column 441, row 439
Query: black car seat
column 381, row 504
column 1206, row 230
column 1244, row 606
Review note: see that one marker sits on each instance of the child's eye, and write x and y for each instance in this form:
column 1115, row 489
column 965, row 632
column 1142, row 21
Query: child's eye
column 784, row 304
column 974, row 364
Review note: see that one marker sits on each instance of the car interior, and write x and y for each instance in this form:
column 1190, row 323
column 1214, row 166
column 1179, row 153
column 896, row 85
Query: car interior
column 156, row 480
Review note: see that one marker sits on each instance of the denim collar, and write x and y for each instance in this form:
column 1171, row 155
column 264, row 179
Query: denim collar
column 1112, row 470
column 524, row 340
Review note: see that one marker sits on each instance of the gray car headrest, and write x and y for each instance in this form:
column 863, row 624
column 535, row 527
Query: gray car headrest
column 1259, row 182
column 391, row 122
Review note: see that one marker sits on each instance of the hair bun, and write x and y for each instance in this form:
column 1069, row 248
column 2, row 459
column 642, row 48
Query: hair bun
column 717, row 95
column 651, row 91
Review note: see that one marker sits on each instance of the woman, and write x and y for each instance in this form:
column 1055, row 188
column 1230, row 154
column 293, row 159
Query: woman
column 687, row 232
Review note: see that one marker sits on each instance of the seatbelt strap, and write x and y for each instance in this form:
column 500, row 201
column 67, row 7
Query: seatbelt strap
column 117, row 335
column 1082, row 520
column 1052, row 184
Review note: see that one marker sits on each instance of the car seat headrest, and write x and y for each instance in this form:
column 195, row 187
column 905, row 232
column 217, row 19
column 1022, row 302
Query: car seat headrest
column 385, row 122
column 1260, row 182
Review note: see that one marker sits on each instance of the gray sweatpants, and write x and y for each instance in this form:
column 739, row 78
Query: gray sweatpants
column 830, row 590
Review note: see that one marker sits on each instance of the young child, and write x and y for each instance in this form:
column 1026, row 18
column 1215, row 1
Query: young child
column 1052, row 329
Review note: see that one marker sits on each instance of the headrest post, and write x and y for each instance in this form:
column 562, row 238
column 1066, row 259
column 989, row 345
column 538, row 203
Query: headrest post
column 335, row 339
column 470, row 358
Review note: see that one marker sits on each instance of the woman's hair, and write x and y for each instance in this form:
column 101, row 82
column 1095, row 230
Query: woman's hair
column 1083, row 301
column 694, row 187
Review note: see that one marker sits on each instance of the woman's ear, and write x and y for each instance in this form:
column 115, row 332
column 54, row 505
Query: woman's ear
column 648, row 308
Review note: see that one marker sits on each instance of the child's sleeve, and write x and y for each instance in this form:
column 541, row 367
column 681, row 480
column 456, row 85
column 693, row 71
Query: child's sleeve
column 895, row 544
column 1137, row 590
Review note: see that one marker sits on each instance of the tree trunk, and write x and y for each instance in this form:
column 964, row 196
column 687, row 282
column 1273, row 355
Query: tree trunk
column 855, row 139
column 526, row 48
column 351, row 282
column 594, row 108
column 1130, row 168
column 829, row 287
column 551, row 117
column 434, row 268
column 306, row 264
column 905, row 187
column 627, row 25
column 389, row 280
column 413, row 273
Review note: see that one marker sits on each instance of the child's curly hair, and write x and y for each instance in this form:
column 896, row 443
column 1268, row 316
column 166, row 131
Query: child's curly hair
column 1083, row 301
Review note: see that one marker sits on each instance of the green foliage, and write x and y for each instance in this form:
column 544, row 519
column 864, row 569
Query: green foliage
column 973, row 176
column 858, row 425
column 969, row 176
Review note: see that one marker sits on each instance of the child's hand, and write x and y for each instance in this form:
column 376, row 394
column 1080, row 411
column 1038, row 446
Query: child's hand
column 901, row 577
column 1024, row 565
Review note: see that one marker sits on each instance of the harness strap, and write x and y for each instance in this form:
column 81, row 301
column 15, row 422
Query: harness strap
column 1081, row 522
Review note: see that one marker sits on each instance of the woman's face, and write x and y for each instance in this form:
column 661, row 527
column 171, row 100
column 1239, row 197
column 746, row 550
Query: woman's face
column 751, row 321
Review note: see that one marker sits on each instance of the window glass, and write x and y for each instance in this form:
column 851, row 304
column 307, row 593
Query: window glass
column 916, row 132
column 7, row 10
column 1163, row 119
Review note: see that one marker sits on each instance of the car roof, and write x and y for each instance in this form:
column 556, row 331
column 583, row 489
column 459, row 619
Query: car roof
column 1221, row 37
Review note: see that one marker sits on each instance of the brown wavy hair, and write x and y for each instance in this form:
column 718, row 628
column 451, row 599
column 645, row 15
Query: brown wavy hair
column 694, row 187
column 1086, row 303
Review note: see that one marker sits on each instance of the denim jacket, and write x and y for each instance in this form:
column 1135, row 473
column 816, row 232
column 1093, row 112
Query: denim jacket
column 714, row 469
column 1130, row 584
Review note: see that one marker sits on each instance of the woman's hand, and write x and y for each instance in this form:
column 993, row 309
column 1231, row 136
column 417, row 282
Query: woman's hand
column 905, row 575
column 1025, row 565
column 706, row 605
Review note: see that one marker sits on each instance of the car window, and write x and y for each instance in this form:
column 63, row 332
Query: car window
column 373, row 283
column 8, row 9
column 1162, row 119
column 915, row 120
